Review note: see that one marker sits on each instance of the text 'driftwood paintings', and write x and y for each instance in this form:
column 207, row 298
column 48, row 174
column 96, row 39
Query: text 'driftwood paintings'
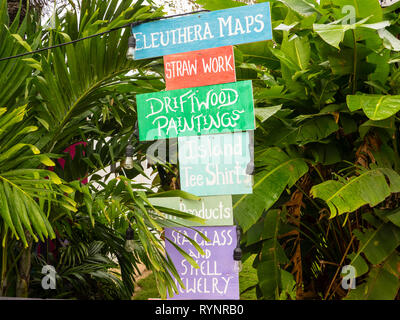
column 227, row 107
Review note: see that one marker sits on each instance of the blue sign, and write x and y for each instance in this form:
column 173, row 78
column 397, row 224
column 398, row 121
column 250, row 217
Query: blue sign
column 216, row 164
column 201, row 31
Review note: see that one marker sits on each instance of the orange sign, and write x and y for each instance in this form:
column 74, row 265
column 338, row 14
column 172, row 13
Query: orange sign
column 199, row 68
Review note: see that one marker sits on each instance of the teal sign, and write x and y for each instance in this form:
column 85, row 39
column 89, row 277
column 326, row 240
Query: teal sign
column 215, row 164
column 201, row 31
column 217, row 211
column 202, row 110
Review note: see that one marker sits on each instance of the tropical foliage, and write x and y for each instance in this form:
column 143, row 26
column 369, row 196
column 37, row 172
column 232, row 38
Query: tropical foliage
column 327, row 162
column 326, row 182
column 76, row 104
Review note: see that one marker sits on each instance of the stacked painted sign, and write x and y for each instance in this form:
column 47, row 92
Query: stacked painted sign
column 212, row 116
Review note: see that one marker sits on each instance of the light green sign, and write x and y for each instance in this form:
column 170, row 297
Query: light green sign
column 212, row 109
column 216, row 210
column 216, row 164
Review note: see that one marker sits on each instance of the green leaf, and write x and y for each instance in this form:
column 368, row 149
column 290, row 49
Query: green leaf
column 359, row 263
column 330, row 33
column 271, row 257
column 298, row 49
column 312, row 130
column 33, row 63
column 288, row 286
column 14, row 214
column 44, row 123
column 269, row 279
column 363, row 8
column 219, row 4
column 286, row 59
column 65, row 188
column 264, row 113
column 46, row 160
column 19, row 202
column 5, row 212
column 376, row 107
column 41, row 222
column 389, row 40
column 54, row 177
column 378, row 244
column 174, row 193
column 333, row 33
column 184, row 254
column 387, row 124
column 382, row 282
column 16, row 148
column 391, row 215
column 370, row 187
column 276, row 170
column 22, row 42
column 302, row 7
column 326, row 154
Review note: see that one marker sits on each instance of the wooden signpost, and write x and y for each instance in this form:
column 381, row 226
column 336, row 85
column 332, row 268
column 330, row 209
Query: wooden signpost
column 199, row 68
column 218, row 108
column 213, row 118
column 202, row 31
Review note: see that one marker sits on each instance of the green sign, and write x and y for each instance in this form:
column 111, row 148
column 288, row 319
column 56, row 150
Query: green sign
column 217, row 210
column 212, row 109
